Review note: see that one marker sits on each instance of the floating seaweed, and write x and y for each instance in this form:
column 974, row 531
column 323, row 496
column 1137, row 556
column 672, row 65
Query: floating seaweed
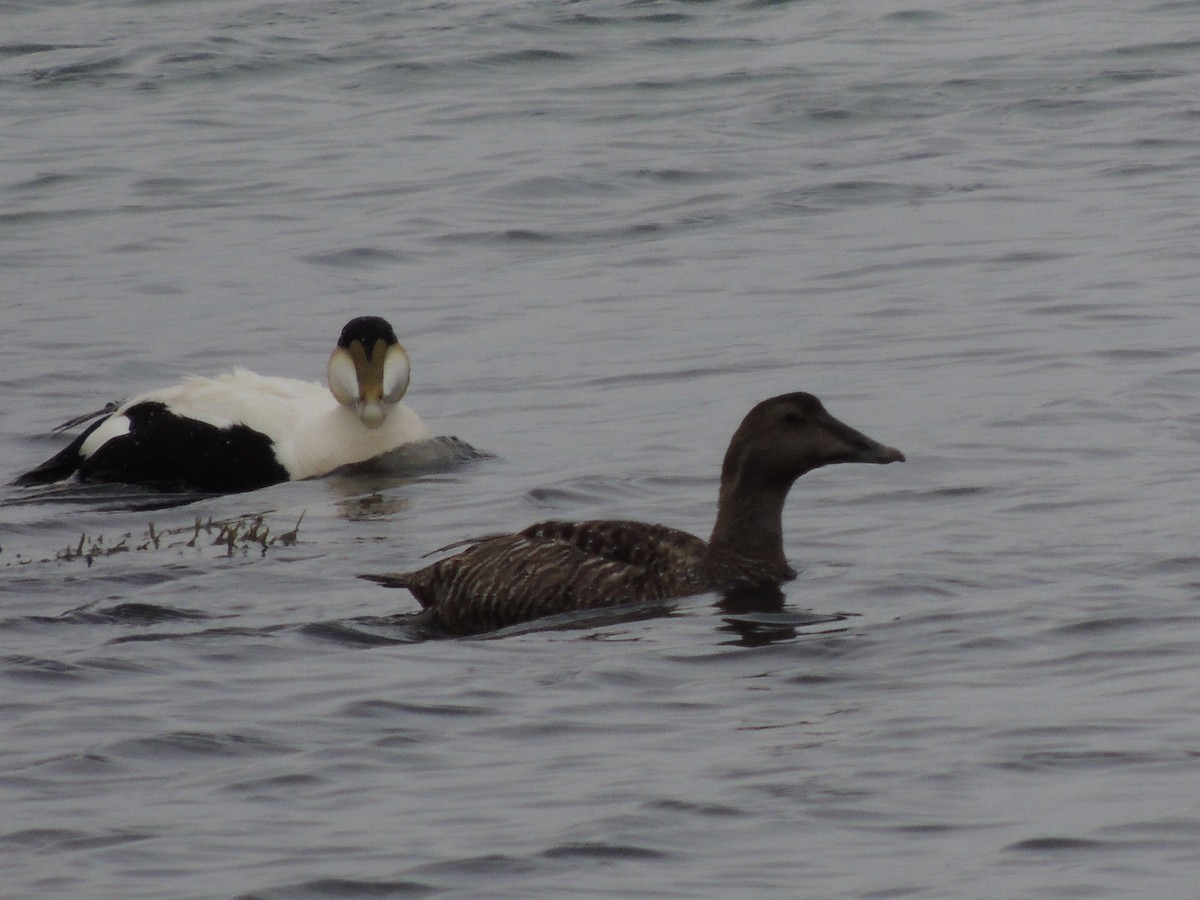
column 239, row 536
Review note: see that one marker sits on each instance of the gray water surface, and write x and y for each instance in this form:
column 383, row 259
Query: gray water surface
column 603, row 231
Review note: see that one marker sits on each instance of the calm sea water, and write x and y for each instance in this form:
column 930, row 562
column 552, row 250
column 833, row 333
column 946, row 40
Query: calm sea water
column 603, row 231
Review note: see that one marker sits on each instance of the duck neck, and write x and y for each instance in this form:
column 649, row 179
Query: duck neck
column 746, row 546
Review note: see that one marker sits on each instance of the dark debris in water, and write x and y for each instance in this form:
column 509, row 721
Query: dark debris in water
column 238, row 536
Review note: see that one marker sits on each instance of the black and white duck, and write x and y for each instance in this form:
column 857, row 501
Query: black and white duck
column 240, row 430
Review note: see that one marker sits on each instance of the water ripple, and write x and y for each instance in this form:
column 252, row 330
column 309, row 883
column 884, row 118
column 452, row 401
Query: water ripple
column 609, row 229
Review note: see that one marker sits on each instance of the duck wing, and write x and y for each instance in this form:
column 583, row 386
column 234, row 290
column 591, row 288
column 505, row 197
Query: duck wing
column 633, row 543
column 555, row 567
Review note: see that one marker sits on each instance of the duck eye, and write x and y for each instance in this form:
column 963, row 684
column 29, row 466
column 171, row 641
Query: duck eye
column 793, row 418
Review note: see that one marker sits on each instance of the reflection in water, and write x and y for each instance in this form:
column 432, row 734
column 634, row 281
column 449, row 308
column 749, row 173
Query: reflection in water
column 757, row 616
column 102, row 497
column 365, row 507
column 387, row 469
column 417, row 625
column 360, row 484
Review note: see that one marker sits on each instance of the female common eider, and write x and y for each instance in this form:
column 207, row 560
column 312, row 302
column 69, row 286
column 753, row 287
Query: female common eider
column 555, row 567
column 241, row 431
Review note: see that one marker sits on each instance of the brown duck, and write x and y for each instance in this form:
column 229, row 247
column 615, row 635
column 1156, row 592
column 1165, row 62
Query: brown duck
column 554, row 567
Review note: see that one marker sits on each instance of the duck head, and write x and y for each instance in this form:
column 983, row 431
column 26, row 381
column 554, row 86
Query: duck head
column 368, row 369
column 783, row 437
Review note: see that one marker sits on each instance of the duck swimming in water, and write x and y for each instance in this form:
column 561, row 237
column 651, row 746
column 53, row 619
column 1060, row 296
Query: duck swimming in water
column 555, row 567
column 242, row 431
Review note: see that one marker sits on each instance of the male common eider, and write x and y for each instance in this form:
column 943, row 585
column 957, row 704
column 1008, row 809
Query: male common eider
column 241, row 431
column 554, row 567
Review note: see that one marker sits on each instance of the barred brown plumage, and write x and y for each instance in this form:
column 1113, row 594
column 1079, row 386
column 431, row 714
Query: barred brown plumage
column 554, row 567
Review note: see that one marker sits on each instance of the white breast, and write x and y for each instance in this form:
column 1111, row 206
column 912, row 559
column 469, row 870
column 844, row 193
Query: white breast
column 311, row 433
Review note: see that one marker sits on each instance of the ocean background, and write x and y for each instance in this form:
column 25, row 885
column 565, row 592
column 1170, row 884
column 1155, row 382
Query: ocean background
column 603, row 231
